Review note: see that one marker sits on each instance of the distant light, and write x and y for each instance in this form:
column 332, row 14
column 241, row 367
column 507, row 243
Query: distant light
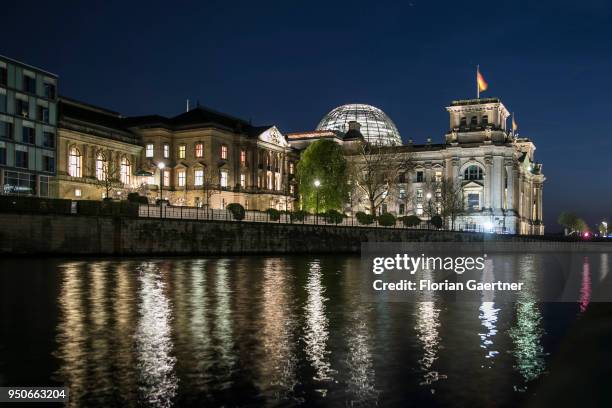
column 161, row 165
column 317, row 183
column 586, row 234
column 429, row 196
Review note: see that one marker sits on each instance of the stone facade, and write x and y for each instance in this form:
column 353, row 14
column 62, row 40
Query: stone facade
column 494, row 171
column 93, row 148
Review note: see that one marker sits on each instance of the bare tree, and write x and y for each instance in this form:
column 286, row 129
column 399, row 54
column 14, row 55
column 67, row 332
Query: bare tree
column 210, row 186
column 108, row 177
column 446, row 200
column 375, row 170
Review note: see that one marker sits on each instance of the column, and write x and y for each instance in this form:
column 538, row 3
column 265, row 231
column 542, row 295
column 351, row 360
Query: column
column 510, row 187
column 496, row 183
column 487, row 181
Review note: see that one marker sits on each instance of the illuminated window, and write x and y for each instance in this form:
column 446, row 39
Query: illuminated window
column 199, row 150
column 419, row 193
column 438, row 176
column 77, row 192
column 74, row 162
column 166, row 150
column 291, row 168
column 166, row 174
column 181, row 178
column 472, row 173
column 419, row 209
column 149, row 150
column 243, row 180
column 125, row 171
column 223, row 179
column 181, row 151
column 243, row 157
column 199, row 177
column 224, row 152
column 292, row 189
column 101, row 167
column 473, row 201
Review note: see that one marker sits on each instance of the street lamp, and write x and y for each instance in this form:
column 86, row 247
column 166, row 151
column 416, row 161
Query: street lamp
column 429, row 207
column 317, row 183
column 161, row 166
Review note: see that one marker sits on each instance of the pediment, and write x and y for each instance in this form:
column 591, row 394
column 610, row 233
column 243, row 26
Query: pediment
column 273, row 136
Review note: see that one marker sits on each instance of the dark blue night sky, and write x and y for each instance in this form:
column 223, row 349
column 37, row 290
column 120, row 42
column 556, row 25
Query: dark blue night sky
column 288, row 63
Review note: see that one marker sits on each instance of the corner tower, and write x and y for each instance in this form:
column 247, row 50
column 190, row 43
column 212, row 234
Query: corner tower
column 477, row 121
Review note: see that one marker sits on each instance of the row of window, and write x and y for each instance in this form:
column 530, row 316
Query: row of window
column 473, row 172
column 182, row 151
column 103, row 172
column 28, row 134
column 22, row 109
column 29, row 84
column 22, row 159
column 474, row 121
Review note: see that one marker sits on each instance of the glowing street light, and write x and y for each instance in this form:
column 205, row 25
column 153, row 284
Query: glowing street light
column 317, row 183
column 161, row 166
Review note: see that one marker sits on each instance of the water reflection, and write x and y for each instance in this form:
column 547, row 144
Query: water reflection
column 278, row 327
column 488, row 313
column 72, row 348
column 316, row 330
column 604, row 266
column 427, row 328
column 585, row 287
column 158, row 381
column 527, row 332
column 361, row 377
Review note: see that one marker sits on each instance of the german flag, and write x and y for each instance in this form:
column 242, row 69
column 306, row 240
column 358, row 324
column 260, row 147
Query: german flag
column 482, row 84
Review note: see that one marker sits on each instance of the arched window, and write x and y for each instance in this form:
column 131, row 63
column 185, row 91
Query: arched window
column 101, row 166
column 473, row 173
column 485, row 120
column 74, row 162
column 126, row 171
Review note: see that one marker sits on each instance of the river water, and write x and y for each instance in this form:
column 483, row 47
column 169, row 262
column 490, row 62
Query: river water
column 272, row 331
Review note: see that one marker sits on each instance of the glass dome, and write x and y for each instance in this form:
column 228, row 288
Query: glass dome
column 376, row 126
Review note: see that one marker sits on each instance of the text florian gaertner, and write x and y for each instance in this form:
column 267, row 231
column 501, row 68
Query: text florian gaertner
column 429, row 265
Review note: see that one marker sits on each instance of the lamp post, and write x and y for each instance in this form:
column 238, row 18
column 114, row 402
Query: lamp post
column 161, row 166
column 429, row 208
column 317, row 183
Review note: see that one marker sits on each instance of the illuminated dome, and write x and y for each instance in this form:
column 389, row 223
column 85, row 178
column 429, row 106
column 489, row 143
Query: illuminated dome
column 376, row 126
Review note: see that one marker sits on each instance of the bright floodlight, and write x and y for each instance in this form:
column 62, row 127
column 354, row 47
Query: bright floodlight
column 161, row 165
column 317, row 183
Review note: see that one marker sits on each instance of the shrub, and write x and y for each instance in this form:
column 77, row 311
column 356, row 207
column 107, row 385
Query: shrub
column 364, row 219
column 333, row 216
column 273, row 214
column 436, row 221
column 299, row 215
column 386, row 219
column 411, row 220
column 137, row 198
column 237, row 211
column 88, row 207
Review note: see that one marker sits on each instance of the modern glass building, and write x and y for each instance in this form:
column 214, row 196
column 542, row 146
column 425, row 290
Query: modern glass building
column 28, row 129
column 376, row 126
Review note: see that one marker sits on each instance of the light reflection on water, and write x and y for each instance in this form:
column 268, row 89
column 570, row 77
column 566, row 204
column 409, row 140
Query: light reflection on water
column 278, row 331
column 158, row 381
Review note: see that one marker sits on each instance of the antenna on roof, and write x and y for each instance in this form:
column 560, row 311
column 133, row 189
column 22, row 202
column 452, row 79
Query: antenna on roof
column 187, row 106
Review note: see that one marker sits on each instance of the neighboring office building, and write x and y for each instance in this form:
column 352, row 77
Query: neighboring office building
column 28, row 129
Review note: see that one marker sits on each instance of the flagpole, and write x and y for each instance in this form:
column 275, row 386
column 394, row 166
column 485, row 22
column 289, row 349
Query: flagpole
column 477, row 87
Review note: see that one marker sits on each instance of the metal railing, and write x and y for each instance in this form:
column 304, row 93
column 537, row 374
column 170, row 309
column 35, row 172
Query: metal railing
column 208, row 214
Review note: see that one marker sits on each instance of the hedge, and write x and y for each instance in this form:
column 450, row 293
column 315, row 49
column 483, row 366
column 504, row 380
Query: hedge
column 237, row 211
column 333, row 217
column 273, row 214
column 35, row 205
column 299, row 215
column 386, row 219
column 411, row 220
column 436, row 221
column 364, row 219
